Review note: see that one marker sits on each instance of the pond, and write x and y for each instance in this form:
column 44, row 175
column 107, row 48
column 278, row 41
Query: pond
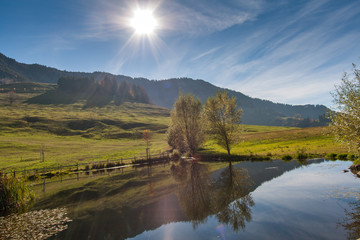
column 247, row 200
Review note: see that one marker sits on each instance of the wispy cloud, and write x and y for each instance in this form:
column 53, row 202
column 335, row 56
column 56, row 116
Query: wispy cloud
column 192, row 18
column 206, row 53
column 296, row 60
column 204, row 17
column 285, row 51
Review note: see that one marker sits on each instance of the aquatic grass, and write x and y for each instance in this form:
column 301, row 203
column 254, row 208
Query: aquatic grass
column 40, row 224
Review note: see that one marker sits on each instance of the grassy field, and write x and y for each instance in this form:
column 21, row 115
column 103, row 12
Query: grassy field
column 279, row 141
column 68, row 134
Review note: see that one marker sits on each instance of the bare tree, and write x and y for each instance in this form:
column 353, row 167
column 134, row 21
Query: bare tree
column 147, row 135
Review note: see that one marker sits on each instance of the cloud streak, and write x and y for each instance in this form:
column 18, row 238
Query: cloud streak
column 298, row 61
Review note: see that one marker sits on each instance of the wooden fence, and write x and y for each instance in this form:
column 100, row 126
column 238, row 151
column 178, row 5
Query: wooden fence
column 76, row 176
column 73, row 168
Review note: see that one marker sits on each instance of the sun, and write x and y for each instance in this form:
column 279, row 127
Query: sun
column 143, row 22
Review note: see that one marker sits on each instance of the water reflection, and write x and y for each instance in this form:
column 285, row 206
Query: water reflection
column 152, row 203
column 228, row 196
column 352, row 221
column 194, row 191
column 233, row 199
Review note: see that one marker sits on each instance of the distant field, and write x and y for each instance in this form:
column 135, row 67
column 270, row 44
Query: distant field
column 69, row 134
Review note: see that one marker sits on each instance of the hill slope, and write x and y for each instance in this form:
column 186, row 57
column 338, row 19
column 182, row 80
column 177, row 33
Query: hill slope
column 164, row 93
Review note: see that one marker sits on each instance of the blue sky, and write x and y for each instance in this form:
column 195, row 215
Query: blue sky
column 285, row 51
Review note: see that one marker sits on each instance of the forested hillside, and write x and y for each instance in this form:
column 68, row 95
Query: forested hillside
column 95, row 93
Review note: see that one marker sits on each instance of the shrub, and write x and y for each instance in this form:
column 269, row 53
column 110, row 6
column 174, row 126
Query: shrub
column 357, row 161
column 15, row 195
column 98, row 165
column 286, row 157
column 110, row 164
column 342, row 156
column 332, row 156
column 175, row 155
column 351, row 157
column 301, row 154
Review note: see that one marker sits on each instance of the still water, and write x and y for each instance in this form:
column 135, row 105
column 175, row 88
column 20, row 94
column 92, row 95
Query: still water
column 309, row 202
column 247, row 200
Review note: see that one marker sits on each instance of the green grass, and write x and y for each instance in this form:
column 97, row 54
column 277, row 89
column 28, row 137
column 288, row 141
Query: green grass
column 69, row 134
column 280, row 141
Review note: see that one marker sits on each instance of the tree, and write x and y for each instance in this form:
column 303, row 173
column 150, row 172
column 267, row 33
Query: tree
column 185, row 130
column 346, row 121
column 223, row 117
column 147, row 135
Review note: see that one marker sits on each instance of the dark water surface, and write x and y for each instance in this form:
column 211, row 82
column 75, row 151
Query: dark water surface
column 248, row 200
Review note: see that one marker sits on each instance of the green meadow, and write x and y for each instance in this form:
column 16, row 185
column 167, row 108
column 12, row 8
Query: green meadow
column 36, row 136
column 68, row 134
column 276, row 142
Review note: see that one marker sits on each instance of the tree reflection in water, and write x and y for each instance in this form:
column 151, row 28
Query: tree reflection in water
column 233, row 201
column 352, row 221
column 194, row 190
column 228, row 197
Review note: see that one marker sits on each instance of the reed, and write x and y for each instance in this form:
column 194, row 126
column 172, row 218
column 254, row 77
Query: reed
column 15, row 195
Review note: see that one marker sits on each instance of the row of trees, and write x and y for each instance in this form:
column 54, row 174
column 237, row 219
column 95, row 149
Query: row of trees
column 190, row 120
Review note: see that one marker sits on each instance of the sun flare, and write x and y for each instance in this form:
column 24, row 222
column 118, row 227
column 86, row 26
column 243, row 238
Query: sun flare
column 143, row 22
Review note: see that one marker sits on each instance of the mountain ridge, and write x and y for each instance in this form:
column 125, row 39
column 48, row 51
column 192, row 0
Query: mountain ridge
column 164, row 93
